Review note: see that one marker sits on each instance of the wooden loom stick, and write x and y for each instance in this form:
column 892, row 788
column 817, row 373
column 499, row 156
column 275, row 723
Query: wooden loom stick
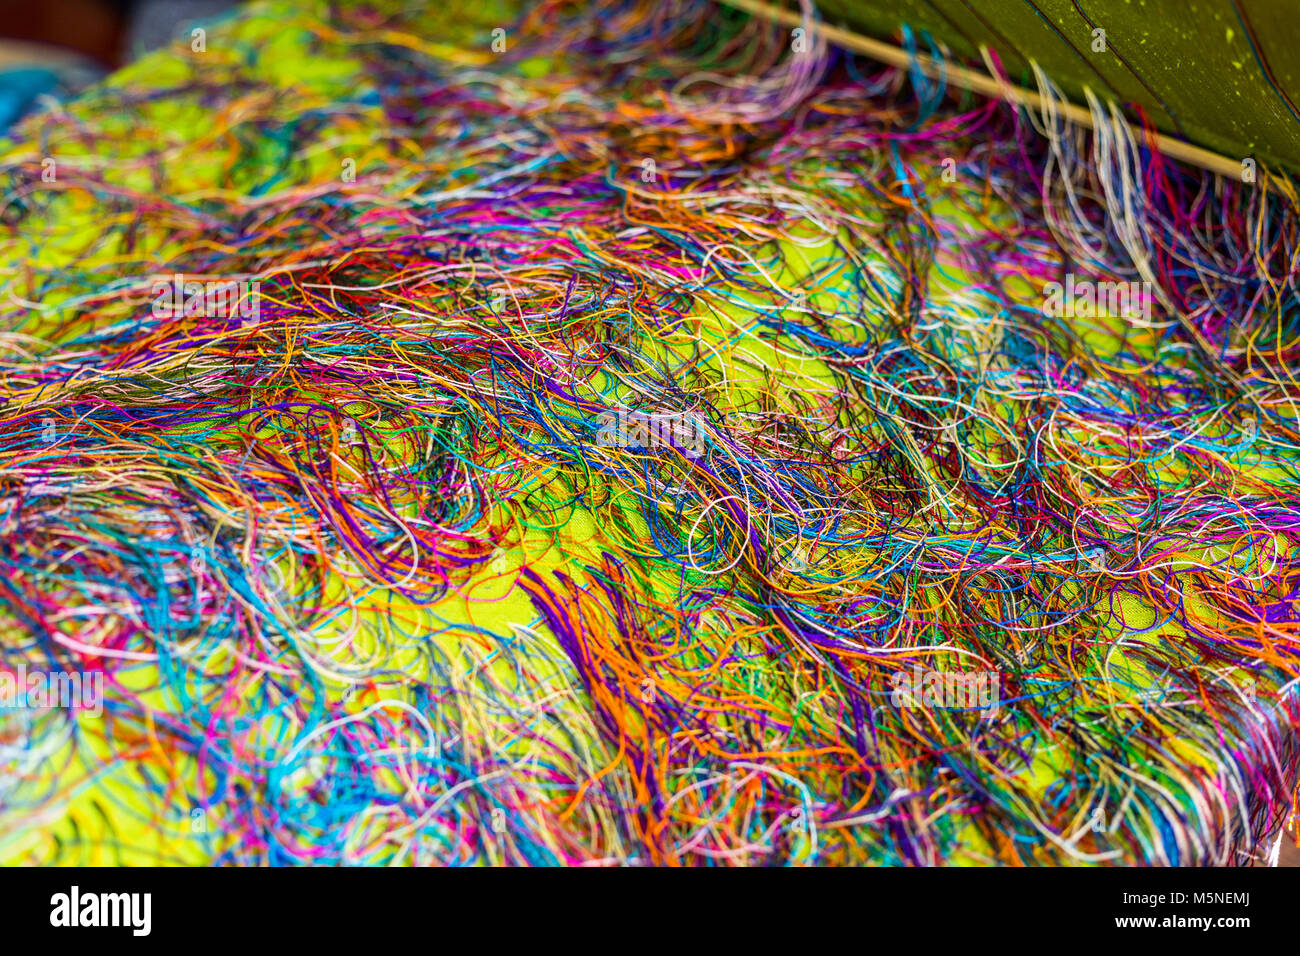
column 980, row 83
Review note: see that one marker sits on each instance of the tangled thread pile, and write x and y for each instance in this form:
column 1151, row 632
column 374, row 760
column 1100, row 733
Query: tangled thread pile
column 263, row 531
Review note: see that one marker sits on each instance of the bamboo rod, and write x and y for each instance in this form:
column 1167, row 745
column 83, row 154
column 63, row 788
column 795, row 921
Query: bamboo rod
column 980, row 83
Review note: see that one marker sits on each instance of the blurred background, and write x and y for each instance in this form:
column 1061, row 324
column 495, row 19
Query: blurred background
column 57, row 47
